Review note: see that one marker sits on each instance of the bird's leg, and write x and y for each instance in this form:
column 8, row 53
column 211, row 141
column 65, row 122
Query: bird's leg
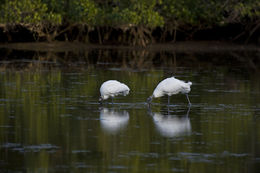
column 149, row 100
column 188, row 99
column 149, row 105
column 149, row 110
column 168, row 100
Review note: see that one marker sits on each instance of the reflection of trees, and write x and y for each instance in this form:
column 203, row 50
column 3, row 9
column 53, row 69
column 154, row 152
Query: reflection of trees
column 249, row 62
column 125, row 58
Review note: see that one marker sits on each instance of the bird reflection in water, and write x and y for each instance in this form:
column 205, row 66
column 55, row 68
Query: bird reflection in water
column 171, row 125
column 113, row 121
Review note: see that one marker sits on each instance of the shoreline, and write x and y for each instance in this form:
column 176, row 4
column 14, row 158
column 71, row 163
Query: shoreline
column 183, row 46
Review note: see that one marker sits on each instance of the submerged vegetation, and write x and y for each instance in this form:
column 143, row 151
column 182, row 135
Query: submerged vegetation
column 135, row 22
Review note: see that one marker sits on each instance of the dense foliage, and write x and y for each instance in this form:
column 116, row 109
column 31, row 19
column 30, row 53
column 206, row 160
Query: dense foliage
column 136, row 19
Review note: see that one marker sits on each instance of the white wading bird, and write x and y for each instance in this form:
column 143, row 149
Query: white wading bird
column 112, row 88
column 169, row 87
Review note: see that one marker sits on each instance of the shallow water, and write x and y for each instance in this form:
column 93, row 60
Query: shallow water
column 51, row 121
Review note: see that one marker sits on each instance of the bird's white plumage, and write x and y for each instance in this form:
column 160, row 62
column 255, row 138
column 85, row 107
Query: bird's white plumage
column 112, row 88
column 171, row 86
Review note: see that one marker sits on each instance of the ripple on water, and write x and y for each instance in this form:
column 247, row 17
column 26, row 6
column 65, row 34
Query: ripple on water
column 30, row 148
column 198, row 157
column 80, row 151
column 221, row 91
column 117, row 167
column 124, row 105
column 229, row 154
column 208, row 157
column 10, row 145
column 81, row 165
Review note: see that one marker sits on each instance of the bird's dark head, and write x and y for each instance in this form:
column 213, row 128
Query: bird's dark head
column 149, row 99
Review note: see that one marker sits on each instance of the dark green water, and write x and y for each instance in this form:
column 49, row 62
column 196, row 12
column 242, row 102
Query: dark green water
column 51, row 121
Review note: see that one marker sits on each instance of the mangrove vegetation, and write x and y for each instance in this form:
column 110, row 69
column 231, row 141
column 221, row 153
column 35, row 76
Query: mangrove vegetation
column 129, row 22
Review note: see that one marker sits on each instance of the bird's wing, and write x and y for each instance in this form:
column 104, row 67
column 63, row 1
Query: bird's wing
column 116, row 88
column 171, row 86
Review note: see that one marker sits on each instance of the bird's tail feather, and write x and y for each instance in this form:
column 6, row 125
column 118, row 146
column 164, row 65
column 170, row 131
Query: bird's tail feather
column 189, row 83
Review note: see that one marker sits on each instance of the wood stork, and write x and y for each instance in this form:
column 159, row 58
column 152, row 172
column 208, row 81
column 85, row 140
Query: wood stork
column 112, row 88
column 170, row 86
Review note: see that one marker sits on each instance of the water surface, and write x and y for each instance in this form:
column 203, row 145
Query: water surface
column 51, row 121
